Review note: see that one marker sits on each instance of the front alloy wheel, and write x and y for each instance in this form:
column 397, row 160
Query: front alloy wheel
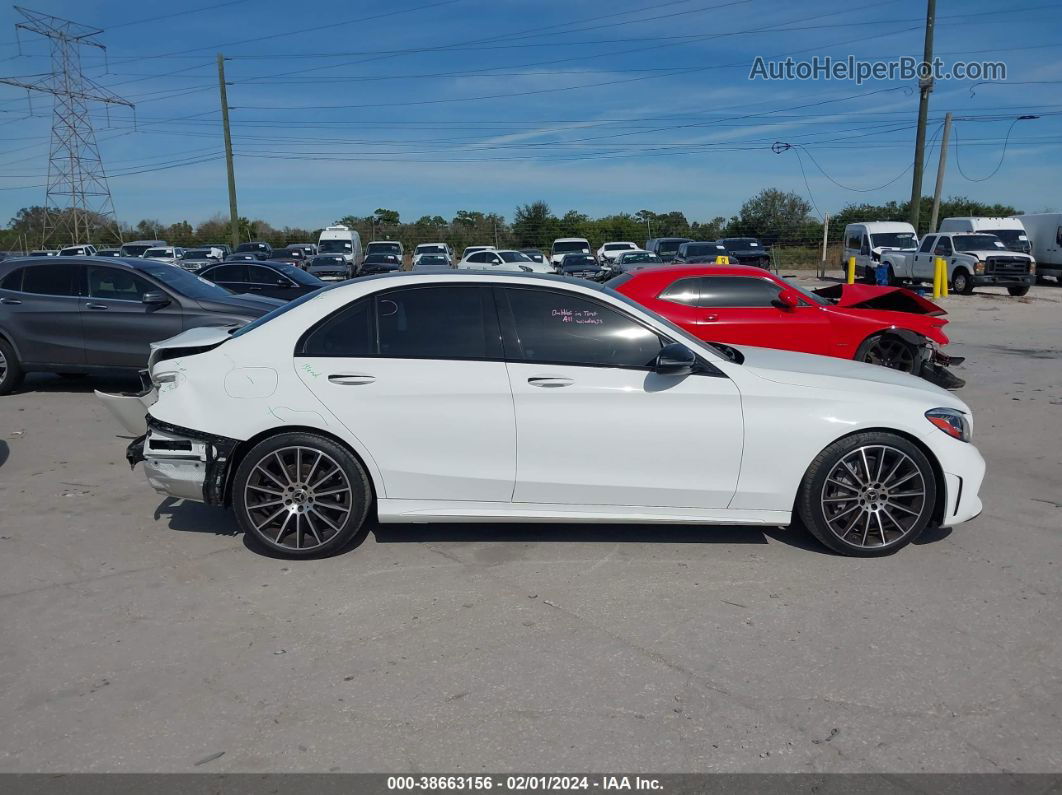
column 301, row 494
column 889, row 351
column 868, row 495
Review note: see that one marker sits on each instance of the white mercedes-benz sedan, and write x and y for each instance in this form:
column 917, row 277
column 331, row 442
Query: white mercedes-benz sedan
column 482, row 397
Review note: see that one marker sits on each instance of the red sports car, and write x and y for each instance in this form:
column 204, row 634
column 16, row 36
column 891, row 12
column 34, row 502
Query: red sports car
column 890, row 326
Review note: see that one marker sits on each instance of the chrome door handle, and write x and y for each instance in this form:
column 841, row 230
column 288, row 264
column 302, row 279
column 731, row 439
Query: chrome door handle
column 10, row 301
column 350, row 379
column 549, row 381
column 95, row 306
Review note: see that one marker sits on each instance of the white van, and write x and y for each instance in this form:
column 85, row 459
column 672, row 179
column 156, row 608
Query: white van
column 1009, row 230
column 343, row 240
column 867, row 240
column 1045, row 238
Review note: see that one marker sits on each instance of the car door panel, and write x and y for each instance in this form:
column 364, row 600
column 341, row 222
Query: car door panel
column 45, row 325
column 119, row 328
column 582, row 431
column 438, row 428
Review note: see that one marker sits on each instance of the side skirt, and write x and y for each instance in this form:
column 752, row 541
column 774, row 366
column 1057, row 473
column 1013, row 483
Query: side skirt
column 422, row 511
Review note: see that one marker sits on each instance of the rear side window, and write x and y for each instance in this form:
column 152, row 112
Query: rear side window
column 227, row 273
column 684, row 291
column 561, row 328
column 736, row 292
column 259, row 275
column 52, row 279
column 436, row 322
column 13, row 280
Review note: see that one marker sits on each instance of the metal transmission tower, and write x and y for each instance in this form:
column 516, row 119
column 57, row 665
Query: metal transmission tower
column 77, row 193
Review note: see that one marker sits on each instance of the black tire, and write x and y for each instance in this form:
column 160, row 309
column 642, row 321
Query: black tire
column 1018, row 291
column 888, row 350
column 961, row 281
column 280, row 478
column 872, row 508
column 11, row 372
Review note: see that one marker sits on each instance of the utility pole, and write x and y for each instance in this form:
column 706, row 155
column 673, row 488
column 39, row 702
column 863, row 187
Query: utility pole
column 77, row 194
column 940, row 172
column 825, row 235
column 925, row 87
column 234, row 217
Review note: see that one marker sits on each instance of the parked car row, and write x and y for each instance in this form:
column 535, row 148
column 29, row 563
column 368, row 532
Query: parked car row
column 1007, row 252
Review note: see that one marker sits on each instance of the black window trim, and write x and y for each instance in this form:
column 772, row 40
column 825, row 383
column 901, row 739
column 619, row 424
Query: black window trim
column 82, row 281
column 490, row 318
column 511, row 342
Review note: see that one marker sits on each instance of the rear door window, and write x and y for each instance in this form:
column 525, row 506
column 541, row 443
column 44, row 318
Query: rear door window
column 736, row 292
column 55, row 279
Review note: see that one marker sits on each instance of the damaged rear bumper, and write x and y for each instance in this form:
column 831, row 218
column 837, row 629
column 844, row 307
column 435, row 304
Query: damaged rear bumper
column 181, row 462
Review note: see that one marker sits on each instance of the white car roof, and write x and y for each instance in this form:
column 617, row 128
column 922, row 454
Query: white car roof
column 570, row 240
column 885, row 226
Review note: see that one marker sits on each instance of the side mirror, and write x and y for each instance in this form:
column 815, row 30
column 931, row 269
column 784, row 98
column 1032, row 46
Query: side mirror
column 157, row 298
column 675, row 359
column 787, row 299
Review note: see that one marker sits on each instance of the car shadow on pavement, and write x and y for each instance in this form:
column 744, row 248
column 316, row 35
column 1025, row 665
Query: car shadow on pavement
column 193, row 517
column 75, row 384
column 5, row 451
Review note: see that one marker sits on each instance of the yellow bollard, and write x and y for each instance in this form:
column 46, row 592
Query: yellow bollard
column 943, row 278
column 937, row 270
column 722, row 260
column 851, row 270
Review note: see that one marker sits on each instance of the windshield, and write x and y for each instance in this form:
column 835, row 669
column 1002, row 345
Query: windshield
column 1014, row 239
column 388, row 248
column 297, row 275
column 157, row 252
column 134, row 250
column 741, row 243
column 578, row 260
column 976, row 242
column 185, row 283
column 514, row 256
column 619, row 246
column 335, row 246
column 894, row 240
column 571, row 245
column 431, row 249
column 698, row 249
column 641, row 256
column 432, row 259
column 669, row 246
column 328, row 262
column 252, row 247
column 815, row 299
column 199, row 253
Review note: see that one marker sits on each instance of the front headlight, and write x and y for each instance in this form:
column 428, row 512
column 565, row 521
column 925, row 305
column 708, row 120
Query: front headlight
column 952, row 421
column 979, row 267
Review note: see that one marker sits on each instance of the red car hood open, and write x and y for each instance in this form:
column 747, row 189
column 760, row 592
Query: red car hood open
column 869, row 296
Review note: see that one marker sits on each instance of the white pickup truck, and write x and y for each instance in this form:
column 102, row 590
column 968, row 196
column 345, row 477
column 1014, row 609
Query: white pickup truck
column 972, row 259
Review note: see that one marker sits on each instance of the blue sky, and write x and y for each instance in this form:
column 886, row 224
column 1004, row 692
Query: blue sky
column 430, row 106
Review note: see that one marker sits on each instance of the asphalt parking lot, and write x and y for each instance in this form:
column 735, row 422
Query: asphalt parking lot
column 140, row 634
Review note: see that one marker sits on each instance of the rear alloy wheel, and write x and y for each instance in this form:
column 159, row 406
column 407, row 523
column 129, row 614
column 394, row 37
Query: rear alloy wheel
column 868, row 495
column 961, row 282
column 1018, row 291
column 10, row 370
column 888, row 350
column 301, row 494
